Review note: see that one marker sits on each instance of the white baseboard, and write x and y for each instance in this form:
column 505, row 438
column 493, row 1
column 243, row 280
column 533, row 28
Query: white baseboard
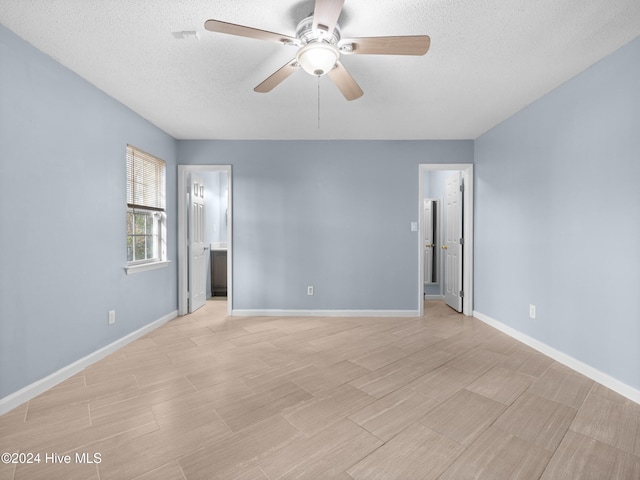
column 567, row 360
column 25, row 394
column 434, row 297
column 325, row 313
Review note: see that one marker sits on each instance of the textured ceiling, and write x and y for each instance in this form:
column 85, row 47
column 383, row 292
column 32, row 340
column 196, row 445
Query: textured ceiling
column 488, row 59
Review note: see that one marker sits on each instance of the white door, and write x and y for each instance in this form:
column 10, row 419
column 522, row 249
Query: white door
column 452, row 247
column 429, row 242
column 197, row 248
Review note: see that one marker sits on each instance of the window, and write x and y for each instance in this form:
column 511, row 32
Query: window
column 146, row 217
column 143, row 242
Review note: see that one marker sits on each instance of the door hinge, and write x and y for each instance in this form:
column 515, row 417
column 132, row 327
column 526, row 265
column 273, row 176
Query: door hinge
column 462, row 187
column 461, row 293
column 461, row 241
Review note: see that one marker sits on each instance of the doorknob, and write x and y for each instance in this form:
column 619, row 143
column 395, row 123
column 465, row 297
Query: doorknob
column 429, row 245
column 444, row 247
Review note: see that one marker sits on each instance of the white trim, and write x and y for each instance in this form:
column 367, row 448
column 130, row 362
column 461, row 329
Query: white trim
column 567, row 360
column 183, row 293
column 467, row 228
column 143, row 267
column 434, row 297
column 25, row 394
column 325, row 313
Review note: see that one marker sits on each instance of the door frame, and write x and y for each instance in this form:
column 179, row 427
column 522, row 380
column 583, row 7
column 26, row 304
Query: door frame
column 467, row 232
column 183, row 258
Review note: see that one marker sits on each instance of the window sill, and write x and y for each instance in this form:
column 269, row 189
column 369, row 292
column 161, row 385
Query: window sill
column 146, row 266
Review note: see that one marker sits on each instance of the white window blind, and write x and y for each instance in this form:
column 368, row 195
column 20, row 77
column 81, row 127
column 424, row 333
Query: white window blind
column 145, row 180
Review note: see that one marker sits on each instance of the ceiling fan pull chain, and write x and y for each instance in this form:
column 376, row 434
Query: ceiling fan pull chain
column 318, row 101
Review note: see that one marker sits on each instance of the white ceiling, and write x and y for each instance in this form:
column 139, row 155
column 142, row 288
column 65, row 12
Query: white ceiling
column 488, row 59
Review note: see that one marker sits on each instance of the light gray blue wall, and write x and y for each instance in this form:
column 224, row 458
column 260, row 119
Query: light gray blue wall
column 62, row 208
column 558, row 218
column 332, row 214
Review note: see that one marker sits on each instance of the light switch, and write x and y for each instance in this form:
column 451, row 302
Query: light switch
column 414, row 226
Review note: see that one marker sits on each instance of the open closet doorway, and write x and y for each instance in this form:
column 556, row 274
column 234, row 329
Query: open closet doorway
column 204, row 235
column 445, row 246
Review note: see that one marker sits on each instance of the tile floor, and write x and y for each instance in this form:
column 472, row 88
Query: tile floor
column 439, row 397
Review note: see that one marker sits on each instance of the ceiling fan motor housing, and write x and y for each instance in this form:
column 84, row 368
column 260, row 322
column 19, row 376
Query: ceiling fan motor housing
column 319, row 53
column 307, row 34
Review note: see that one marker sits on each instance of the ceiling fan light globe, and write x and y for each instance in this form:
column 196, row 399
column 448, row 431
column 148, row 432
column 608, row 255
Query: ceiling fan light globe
column 318, row 58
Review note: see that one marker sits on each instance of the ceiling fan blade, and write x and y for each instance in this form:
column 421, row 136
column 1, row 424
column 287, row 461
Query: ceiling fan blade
column 277, row 77
column 325, row 15
column 345, row 82
column 408, row 45
column 242, row 31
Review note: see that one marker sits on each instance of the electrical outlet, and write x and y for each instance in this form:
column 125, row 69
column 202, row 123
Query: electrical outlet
column 112, row 317
column 309, row 290
column 532, row 311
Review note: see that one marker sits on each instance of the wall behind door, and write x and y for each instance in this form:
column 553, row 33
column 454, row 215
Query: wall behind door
column 332, row 214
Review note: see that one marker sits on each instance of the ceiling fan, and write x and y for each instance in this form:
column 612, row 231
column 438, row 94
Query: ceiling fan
column 320, row 44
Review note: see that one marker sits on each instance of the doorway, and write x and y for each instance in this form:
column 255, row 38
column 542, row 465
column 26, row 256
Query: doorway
column 465, row 247
column 219, row 235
